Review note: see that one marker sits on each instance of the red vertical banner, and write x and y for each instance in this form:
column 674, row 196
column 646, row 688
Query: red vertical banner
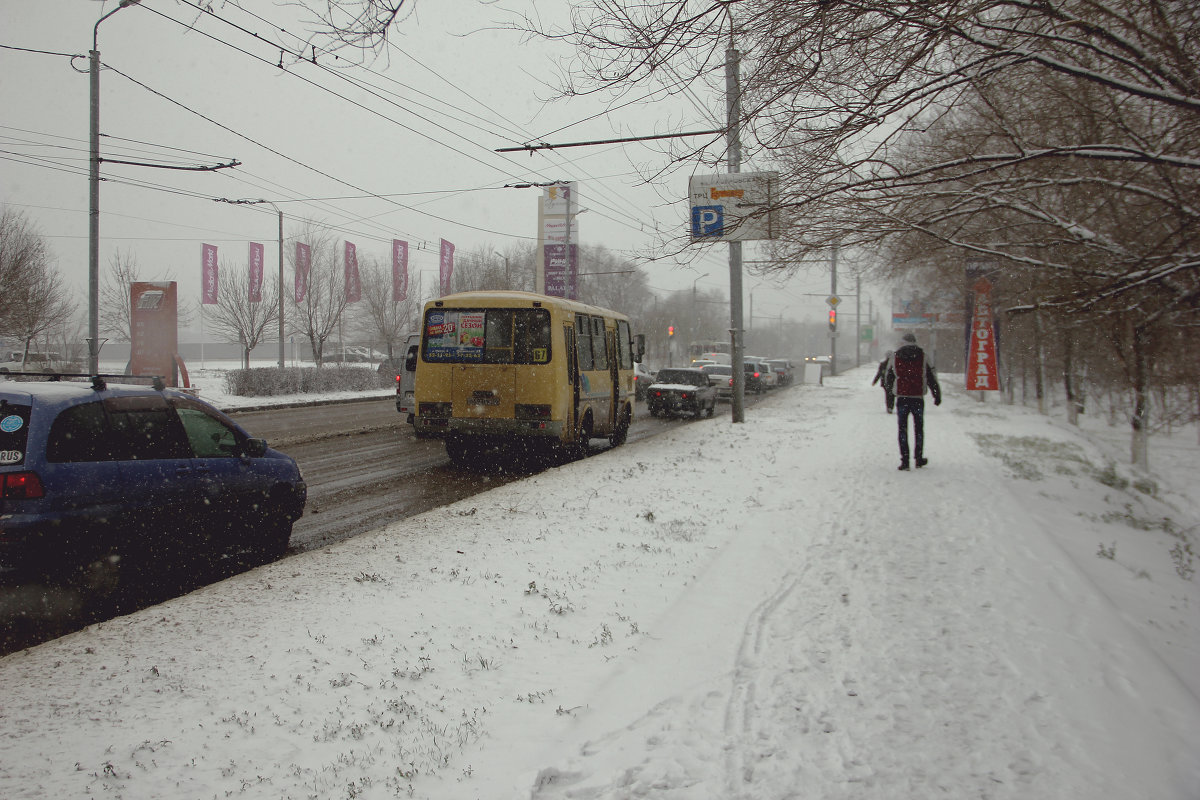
column 256, row 272
column 447, row 266
column 208, row 274
column 353, row 288
column 399, row 270
column 981, row 354
column 303, row 265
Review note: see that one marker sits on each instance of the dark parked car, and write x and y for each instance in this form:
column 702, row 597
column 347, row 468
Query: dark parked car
column 106, row 484
column 681, row 391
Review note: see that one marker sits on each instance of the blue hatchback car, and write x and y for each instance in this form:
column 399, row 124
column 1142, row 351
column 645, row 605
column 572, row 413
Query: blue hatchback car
column 104, row 484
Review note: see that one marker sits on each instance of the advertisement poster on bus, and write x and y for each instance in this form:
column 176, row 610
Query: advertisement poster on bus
column 454, row 336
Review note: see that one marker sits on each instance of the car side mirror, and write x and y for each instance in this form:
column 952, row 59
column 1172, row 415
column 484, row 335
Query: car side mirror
column 639, row 347
column 255, row 448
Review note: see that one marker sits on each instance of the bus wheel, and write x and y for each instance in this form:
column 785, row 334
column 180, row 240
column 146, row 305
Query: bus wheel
column 621, row 432
column 458, row 449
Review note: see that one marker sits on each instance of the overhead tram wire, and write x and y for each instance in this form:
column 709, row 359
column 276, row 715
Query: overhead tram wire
column 302, row 59
column 634, row 223
column 298, row 163
column 617, row 208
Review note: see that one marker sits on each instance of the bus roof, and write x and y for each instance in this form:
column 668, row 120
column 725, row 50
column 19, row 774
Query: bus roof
column 508, row 297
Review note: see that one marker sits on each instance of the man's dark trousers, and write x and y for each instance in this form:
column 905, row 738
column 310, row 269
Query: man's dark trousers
column 916, row 407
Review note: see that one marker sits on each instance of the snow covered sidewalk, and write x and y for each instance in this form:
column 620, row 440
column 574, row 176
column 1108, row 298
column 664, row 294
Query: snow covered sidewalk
column 763, row 610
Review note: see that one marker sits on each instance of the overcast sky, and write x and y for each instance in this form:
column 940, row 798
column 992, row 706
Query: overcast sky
column 403, row 149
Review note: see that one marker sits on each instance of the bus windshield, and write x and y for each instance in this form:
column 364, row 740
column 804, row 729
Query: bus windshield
column 487, row 335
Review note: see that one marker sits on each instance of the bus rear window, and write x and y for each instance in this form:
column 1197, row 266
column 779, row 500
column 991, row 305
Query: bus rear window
column 487, row 335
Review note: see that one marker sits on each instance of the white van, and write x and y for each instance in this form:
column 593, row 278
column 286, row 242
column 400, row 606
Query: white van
column 406, row 378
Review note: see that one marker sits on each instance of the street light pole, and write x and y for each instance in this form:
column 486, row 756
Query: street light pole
column 93, row 340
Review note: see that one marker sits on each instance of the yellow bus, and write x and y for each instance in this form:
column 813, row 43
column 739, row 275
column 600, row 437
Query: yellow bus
column 508, row 370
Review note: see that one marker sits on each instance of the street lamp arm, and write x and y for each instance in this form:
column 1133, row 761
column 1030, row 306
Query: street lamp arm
column 96, row 27
column 201, row 168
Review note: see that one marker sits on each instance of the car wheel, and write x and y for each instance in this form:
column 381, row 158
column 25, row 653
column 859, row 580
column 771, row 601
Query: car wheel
column 712, row 408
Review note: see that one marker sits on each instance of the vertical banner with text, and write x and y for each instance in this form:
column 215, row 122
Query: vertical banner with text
column 353, row 287
column 256, row 272
column 303, row 264
column 399, row 270
column 981, row 353
column 560, row 240
column 208, row 274
column 446, row 271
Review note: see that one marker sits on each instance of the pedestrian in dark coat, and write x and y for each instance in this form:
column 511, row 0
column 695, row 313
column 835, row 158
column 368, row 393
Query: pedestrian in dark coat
column 882, row 374
column 912, row 375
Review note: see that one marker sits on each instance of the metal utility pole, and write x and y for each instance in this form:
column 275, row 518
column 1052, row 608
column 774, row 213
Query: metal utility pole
column 733, row 109
column 93, row 337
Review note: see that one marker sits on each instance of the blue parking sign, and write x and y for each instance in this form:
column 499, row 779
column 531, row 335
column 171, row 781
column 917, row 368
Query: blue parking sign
column 708, row 221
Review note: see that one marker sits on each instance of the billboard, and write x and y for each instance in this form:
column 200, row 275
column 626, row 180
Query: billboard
column 154, row 329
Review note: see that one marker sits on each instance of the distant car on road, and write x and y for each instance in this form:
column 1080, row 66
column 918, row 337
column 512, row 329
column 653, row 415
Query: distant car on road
column 683, row 390
column 722, row 377
column 783, row 368
column 755, row 380
column 643, row 376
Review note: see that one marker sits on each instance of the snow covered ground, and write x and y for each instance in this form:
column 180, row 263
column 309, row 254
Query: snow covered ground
column 762, row 610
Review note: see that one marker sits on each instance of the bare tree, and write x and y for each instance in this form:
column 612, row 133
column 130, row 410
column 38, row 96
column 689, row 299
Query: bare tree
column 234, row 317
column 379, row 316
column 116, row 316
column 24, row 257
column 36, row 300
column 321, row 310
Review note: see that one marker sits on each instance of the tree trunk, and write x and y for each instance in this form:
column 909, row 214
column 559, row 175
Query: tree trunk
column 1039, row 365
column 1068, row 379
column 1138, row 420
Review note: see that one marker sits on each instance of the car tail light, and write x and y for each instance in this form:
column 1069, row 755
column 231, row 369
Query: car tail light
column 23, row 486
column 684, row 395
column 397, row 384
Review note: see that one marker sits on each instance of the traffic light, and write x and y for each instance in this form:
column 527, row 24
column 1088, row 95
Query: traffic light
column 670, row 330
column 832, row 319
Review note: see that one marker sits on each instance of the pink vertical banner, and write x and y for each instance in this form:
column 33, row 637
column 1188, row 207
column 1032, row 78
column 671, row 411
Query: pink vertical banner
column 353, row 288
column 208, row 274
column 303, row 264
column 256, row 272
column 982, row 374
column 399, row 270
column 447, row 266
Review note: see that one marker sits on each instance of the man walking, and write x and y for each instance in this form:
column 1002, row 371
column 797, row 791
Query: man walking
column 882, row 374
column 911, row 376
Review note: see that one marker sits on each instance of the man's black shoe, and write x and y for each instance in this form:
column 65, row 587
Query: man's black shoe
column 903, row 465
column 922, row 462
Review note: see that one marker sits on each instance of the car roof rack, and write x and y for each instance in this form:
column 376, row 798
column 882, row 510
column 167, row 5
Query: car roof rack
column 98, row 379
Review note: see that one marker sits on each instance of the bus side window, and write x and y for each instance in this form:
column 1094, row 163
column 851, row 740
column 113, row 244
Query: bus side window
column 624, row 345
column 599, row 344
column 583, row 341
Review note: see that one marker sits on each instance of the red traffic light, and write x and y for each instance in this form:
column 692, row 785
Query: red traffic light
column 670, row 330
column 832, row 319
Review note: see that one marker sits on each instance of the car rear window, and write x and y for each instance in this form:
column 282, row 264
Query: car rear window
column 14, row 433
